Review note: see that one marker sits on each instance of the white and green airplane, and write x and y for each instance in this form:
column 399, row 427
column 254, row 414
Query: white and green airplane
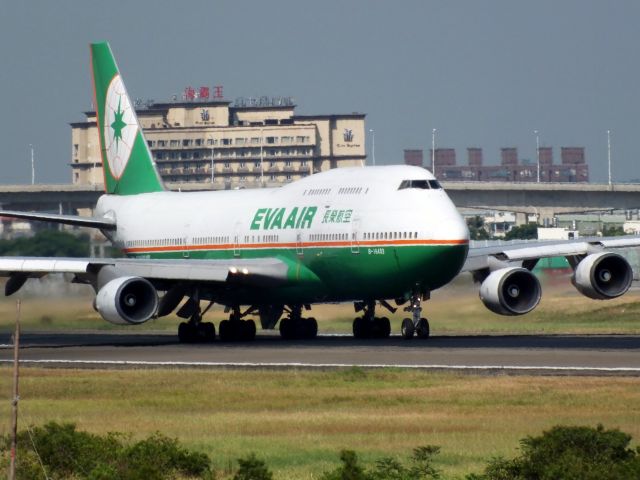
column 367, row 235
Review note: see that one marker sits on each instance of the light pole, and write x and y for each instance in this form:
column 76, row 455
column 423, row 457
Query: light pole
column 261, row 157
column 212, row 165
column 373, row 145
column 537, row 152
column 609, row 154
column 433, row 152
column 33, row 167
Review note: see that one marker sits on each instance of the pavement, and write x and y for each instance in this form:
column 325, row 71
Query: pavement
column 512, row 354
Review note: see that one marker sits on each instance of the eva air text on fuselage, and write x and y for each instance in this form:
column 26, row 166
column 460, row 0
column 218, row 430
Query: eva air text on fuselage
column 281, row 218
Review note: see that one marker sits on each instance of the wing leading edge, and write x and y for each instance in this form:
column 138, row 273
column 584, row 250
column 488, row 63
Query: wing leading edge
column 480, row 258
column 89, row 222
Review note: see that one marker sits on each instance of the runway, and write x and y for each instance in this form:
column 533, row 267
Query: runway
column 530, row 354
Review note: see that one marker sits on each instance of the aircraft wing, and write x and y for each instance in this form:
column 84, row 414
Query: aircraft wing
column 259, row 271
column 90, row 222
column 481, row 258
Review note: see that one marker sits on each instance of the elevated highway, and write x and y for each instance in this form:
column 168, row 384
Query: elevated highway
column 545, row 199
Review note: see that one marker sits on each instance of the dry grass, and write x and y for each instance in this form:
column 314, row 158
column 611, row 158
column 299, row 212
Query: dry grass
column 299, row 420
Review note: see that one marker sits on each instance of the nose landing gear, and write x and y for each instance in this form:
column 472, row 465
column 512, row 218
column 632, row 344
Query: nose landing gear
column 416, row 325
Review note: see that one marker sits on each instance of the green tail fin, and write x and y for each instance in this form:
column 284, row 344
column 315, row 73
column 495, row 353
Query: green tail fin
column 126, row 160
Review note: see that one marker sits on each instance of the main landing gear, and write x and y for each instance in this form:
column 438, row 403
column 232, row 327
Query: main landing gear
column 295, row 326
column 236, row 329
column 416, row 325
column 195, row 330
column 368, row 325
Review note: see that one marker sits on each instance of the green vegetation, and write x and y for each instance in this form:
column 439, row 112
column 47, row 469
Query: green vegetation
column 47, row 243
column 523, row 232
column 59, row 451
column 298, row 420
column 476, row 228
column 252, row 468
column 388, row 468
column 569, row 453
column 612, row 231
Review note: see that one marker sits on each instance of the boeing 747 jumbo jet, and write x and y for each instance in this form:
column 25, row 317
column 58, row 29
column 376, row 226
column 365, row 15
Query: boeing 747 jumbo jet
column 370, row 235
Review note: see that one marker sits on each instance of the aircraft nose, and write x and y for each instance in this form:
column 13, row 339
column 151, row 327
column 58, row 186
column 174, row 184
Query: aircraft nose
column 454, row 227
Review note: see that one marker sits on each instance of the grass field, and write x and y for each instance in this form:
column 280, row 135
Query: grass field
column 299, row 420
column 455, row 309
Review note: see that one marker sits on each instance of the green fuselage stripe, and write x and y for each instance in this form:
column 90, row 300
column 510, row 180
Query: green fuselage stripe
column 358, row 271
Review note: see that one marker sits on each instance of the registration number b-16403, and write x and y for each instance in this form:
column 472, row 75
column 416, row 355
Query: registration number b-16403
column 376, row 251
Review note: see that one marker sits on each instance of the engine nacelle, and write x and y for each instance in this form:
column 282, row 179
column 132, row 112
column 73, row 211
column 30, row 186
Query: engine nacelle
column 511, row 291
column 603, row 276
column 127, row 300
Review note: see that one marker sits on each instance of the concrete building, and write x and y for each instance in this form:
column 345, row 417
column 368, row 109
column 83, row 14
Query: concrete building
column 573, row 168
column 413, row 157
column 223, row 145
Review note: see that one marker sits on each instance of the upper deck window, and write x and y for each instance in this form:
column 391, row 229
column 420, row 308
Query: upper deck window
column 422, row 184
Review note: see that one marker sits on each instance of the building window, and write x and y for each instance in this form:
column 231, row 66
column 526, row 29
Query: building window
column 175, row 143
column 286, row 139
column 212, row 141
column 226, row 141
column 162, row 143
column 255, row 140
column 240, row 141
column 227, row 165
column 271, row 140
column 198, row 142
column 186, row 142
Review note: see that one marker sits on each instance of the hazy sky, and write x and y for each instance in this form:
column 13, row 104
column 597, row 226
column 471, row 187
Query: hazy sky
column 483, row 73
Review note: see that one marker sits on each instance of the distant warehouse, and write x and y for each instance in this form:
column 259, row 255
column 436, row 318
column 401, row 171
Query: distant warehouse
column 220, row 144
column 573, row 167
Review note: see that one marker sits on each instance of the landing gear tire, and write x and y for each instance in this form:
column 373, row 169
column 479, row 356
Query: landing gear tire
column 249, row 330
column 422, row 331
column 204, row 332
column 301, row 329
column 237, row 330
column 382, row 327
column 310, row 328
column 186, row 333
column 286, row 328
column 378, row 327
column 359, row 328
column 407, row 330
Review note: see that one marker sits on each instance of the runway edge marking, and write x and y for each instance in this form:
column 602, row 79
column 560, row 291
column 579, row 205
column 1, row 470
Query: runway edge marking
column 142, row 363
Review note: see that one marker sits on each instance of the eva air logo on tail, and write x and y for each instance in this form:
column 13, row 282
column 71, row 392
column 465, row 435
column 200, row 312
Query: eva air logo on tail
column 120, row 127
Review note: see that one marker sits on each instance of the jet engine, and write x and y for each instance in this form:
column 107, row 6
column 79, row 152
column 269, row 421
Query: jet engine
column 511, row 291
column 127, row 300
column 603, row 276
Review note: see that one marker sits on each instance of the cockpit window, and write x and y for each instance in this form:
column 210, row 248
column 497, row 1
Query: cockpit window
column 422, row 184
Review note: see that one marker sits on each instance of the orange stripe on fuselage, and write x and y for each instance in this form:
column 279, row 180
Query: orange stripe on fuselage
column 318, row 244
